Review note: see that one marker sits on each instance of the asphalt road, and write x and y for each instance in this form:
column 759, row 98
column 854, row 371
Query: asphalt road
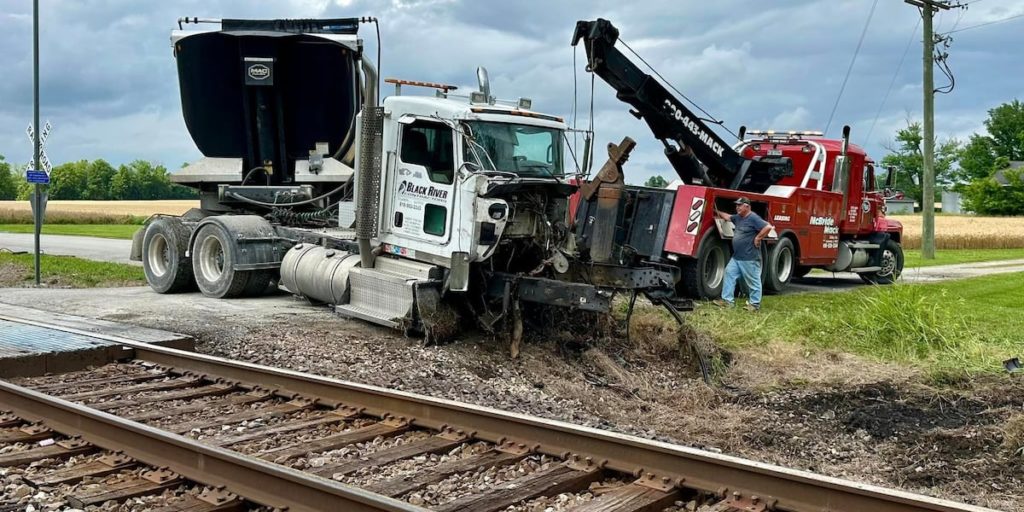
column 104, row 249
column 100, row 249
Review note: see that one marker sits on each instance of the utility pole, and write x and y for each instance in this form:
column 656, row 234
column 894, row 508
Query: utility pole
column 928, row 9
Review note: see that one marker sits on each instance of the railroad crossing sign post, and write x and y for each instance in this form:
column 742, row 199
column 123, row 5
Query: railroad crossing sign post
column 38, row 157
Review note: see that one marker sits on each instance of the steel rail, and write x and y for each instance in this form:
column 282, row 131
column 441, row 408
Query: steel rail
column 789, row 489
column 263, row 482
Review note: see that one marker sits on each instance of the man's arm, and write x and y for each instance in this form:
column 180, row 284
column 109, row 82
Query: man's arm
column 722, row 215
column 763, row 233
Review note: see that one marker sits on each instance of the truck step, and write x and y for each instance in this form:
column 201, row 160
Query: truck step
column 863, row 245
column 379, row 297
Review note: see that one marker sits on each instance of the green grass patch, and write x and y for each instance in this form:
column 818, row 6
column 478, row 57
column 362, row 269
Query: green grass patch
column 67, row 272
column 912, row 257
column 123, row 231
column 951, row 328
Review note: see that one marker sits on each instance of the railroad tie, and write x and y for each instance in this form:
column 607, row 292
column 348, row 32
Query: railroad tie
column 556, row 479
column 185, row 394
column 333, row 442
column 430, row 445
column 99, row 467
column 403, row 485
column 629, row 498
column 146, row 482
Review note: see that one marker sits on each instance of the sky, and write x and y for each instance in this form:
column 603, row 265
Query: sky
column 109, row 84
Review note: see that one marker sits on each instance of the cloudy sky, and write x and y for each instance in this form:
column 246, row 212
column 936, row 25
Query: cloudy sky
column 109, row 84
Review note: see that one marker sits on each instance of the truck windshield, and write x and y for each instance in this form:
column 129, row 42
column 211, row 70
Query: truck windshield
column 527, row 151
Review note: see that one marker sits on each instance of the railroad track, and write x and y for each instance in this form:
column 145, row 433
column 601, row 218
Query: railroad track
column 217, row 434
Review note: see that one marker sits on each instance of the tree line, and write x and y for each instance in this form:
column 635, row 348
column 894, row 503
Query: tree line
column 97, row 180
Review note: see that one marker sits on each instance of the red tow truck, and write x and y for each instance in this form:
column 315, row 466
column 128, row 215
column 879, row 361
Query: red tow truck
column 819, row 193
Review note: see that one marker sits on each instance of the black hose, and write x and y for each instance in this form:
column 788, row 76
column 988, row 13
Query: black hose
column 242, row 198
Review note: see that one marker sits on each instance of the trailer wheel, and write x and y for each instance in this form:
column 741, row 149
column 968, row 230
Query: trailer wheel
column 703, row 276
column 213, row 257
column 167, row 268
column 781, row 266
column 892, row 265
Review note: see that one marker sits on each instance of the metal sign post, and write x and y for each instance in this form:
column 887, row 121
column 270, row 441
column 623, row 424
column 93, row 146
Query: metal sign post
column 38, row 203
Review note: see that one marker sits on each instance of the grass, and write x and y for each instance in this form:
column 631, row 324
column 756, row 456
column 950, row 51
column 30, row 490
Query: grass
column 912, row 257
column 67, row 272
column 949, row 330
column 123, row 231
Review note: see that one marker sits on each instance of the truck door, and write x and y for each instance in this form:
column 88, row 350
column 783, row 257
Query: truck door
column 870, row 202
column 423, row 192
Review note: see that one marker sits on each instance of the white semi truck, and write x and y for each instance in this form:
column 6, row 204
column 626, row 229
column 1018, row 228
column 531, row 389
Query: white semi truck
column 421, row 212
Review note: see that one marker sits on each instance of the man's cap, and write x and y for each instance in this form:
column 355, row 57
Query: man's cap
column 743, row 200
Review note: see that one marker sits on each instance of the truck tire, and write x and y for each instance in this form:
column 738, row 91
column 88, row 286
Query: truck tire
column 781, row 264
column 164, row 244
column 213, row 256
column 259, row 281
column 702, row 277
column 892, row 265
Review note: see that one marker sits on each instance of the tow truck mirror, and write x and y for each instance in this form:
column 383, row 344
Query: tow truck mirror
column 890, row 180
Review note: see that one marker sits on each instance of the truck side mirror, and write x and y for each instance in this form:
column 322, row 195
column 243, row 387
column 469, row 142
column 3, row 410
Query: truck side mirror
column 891, row 178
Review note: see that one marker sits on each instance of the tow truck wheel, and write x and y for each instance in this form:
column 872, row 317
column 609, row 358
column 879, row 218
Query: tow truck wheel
column 781, row 266
column 702, row 277
column 167, row 268
column 213, row 258
column 892, row 265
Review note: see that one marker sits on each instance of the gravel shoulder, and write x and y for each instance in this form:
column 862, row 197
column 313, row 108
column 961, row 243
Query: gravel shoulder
column 827, row 412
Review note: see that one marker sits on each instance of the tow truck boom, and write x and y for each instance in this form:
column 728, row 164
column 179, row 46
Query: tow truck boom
column 698, row 155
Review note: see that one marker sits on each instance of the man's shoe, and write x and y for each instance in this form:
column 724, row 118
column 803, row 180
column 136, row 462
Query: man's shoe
column 753, row 308
column 723, row 303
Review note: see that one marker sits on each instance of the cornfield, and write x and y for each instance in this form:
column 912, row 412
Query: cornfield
column 965, row 232
column 92, row 212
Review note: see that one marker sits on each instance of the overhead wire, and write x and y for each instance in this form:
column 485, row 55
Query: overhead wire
column 994, row 22
column 849, row 70
column 895, row 75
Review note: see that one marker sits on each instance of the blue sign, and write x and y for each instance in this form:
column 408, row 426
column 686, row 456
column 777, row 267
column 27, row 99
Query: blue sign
column 37, row 177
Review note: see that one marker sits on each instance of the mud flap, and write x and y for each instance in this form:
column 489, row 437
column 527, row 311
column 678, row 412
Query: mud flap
column 438, row 319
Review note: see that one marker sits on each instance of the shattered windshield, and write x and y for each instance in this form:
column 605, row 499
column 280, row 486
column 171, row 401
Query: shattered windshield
column 528, row 151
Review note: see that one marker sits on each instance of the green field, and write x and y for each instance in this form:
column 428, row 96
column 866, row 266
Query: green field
column 955, row 327
column 67, row 272
column 124, row 231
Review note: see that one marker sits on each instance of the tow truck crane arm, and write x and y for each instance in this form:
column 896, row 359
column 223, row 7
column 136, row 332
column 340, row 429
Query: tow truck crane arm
column 688, row 141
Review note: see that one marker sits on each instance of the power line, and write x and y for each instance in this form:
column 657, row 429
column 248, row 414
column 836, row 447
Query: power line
column 849, row 70
column 892, row 82
column 1021, row 15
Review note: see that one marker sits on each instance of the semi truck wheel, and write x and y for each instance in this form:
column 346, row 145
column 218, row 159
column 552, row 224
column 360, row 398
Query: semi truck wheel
column 213, row 256
column 892, row 265
column 702, row 277
column 781, row 264
column 259, row 281
column 164, row 244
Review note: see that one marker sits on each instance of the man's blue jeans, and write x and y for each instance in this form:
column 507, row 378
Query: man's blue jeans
column 751, row 272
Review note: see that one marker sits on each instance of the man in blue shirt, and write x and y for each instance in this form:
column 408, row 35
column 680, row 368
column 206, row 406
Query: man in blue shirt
column 748, row 231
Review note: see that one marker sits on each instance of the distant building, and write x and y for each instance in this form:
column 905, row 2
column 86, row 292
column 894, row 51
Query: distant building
column 1000, row 175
